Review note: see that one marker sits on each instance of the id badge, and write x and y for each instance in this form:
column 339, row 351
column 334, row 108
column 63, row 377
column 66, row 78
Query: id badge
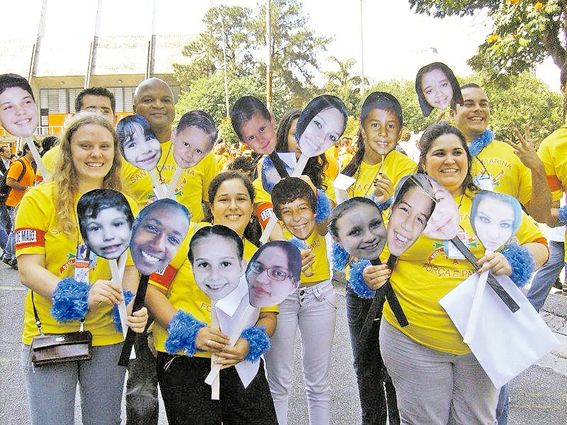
column 453, row 251
column 484, row 182
column 82, row 263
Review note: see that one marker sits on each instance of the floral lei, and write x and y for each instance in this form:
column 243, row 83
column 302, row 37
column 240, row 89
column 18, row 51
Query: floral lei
column 478, row 144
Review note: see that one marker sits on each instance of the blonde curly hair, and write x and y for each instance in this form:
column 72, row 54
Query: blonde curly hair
column 65, row 175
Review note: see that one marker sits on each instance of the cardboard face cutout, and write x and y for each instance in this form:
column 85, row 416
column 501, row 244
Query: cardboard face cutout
column 298, row 215
column 105, row 222
column 444, row 222
column 157, row 234
column 436, row 86
column 412, row 207
column 273, row 273
column 360, row 229
column 194, row 140
column 18, row 112
column 254, row 125
column 138, row 143
column 495, row 218
column 217, row 264
column 320, row 125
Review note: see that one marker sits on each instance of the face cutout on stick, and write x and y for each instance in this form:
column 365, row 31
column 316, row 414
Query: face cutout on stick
column 157, row 234
column 254, row 124
column 495, row 218
column 436, row 86
column 215, row 253
column 273, row 273
column 357, row 226
column 193, row 139
column 320, row 125
column 18, row 110
column 444, row 222
column 138, row 143
column 295, row 203
column 105, row 222
column 409, row 213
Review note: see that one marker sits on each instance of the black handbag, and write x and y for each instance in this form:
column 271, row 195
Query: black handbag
column 49, row 349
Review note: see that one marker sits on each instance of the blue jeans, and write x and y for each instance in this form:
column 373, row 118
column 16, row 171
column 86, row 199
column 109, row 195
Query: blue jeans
column 375, row 388
column 547, row 275
column 9, row 249
column 503, row 407
column 5, row 225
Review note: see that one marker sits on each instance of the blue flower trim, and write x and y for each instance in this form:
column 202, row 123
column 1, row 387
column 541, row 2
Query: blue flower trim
column 382, row 206
column 324, row 207
column 298, row 243
column 183, row 330
column 258, row 340
column 339, row 256
column 356, row 281
column 70, row 300
column 522, row 262
column 128, row 296
column 478, row 144
column 563, row 215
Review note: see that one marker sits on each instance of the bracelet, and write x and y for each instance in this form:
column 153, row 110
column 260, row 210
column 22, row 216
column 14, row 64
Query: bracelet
column 258, row 340
column 356, row 280
column 183, row 330
column 128, row 296
column 70, row 300
column 522, row 262
column 324, row 207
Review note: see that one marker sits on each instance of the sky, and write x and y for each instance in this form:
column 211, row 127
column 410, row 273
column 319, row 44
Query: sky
column 397, row 42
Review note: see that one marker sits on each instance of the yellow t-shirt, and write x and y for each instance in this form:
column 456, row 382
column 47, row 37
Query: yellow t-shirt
column 37, row 232
column 332, row 169
column 49, row 160
column 424, row 274
column 316, row 242
column 505, row 169
column 191, row 190
column 179, row 285
column 396, row 166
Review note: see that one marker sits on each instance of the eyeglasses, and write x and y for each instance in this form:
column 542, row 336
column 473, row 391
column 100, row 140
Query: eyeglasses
column 273, row 272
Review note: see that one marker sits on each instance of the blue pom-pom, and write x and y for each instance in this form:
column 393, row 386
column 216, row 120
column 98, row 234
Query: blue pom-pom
column 356, row 281
column 70, row 300
column 258, row 340
column 339, row 256
column 383, row 206
column 563, row 215
column 522, row 262
column 128, row 296
column 183, row 330
column 324, row 207
column 298, row 243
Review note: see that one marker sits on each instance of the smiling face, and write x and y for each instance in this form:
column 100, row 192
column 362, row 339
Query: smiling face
column 437, row 88
column 154, row 101
column 447, row 162
column 108, row 234
column 382, row 131
column 473, row 115
column 190, row 146
column 322, row 132
column 407, row 220
column 269, row 279
column 299, row 218
column 444, row 222
column 258, row 134
column 100, row 104
column 216, row 266
column 493, row 223
column 361, row 232
column 232, row 206
column 18, row 112
column 140, row 150
column 92, row 150
column 157, row 238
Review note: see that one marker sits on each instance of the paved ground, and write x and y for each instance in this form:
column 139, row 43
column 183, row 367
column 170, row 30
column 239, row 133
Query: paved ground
column 538, row 396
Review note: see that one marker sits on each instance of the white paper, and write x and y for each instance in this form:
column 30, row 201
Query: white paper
column 505, row 343
column 343, row 182
column 288, row 158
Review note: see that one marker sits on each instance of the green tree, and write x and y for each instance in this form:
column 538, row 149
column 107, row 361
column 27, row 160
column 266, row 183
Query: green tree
column 524, row 32
column 343, row 83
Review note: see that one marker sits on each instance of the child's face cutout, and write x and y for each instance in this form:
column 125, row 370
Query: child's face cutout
column 141, row 151
column 382, row 130
column 444, row 222
column 216, row 266
column 18, row 112
column 322, row 132
column 258, row 134
column 437, row 88
column 108, row 234
column 298, row 218
column 190, row 146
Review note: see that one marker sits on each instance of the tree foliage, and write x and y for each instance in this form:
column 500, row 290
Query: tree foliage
column 343, row 83
column 524, row 32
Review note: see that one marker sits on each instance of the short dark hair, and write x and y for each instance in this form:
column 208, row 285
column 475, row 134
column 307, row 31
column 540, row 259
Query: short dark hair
column 126, row 128
column 95, row 91
column 288, row 190
column 219, row 230
column 5, row 148
column 26, row 147
column 244, row 109
column 426, row 108
column 94, row 201
column 157, row 204
column 200, row 120
column 8, row 81
column 384, row 101
column 465, row 86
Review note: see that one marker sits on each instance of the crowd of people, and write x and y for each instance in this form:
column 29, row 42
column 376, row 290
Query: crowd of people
column 415, row 374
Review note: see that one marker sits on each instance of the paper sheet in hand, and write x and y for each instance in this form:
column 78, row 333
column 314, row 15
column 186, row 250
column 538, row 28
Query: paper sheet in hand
column 505, row 343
